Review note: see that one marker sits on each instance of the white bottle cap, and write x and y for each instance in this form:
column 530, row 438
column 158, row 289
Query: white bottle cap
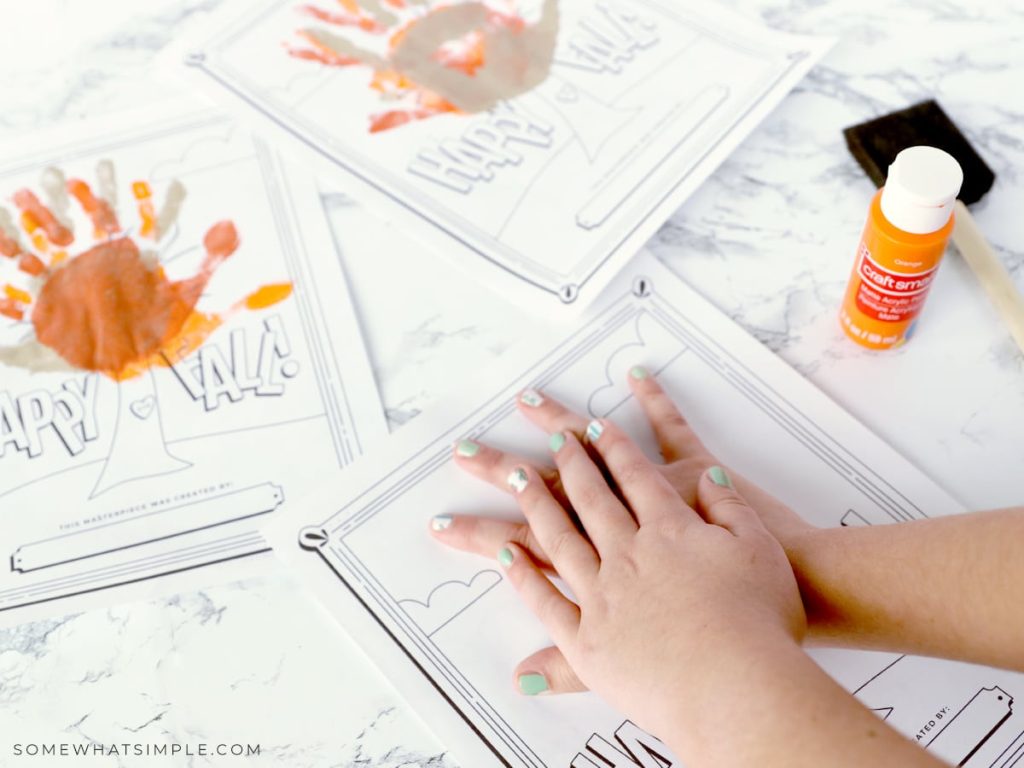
column 922, row 186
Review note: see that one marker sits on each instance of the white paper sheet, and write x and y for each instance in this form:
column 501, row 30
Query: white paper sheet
column 151, row 475
column 448, row 631
column 544, row 195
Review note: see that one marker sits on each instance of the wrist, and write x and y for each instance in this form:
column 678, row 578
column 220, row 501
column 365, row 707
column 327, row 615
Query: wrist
column 739, row 683
column 816, row 556
column 801, row 543
column 710, row 669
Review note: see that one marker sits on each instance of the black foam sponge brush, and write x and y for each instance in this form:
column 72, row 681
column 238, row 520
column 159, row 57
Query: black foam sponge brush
column 876, row 143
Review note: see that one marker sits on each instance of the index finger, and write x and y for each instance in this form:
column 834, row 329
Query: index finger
column 676, row 439
column 549, row 414
column 649, row 494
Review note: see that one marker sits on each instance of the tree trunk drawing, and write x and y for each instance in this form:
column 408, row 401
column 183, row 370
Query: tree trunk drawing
column 138, row 449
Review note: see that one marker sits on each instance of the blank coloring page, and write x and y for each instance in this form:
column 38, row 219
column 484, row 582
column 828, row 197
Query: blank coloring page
column 448, row 631
column 178, row 356
column 537, row 143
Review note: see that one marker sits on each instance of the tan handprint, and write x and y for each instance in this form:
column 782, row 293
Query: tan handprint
column 110, row 308
column 434, row 58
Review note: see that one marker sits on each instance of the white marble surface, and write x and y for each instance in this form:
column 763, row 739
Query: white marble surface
column 768, row 239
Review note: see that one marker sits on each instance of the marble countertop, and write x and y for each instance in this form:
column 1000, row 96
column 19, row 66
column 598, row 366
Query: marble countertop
column 768, row 239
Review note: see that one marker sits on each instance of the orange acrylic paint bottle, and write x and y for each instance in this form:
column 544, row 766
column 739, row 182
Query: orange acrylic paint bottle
column 909, row 224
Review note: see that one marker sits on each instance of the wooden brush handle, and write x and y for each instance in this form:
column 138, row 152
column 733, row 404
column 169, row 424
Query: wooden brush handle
column 990, row 272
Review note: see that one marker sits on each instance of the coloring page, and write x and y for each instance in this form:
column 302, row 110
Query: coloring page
column 178, row 354
column 537, row 143
column 447, row 629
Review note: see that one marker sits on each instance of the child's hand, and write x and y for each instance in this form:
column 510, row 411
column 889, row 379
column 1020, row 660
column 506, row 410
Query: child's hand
column 662, row 596
column 686, row 459
column 851, row 596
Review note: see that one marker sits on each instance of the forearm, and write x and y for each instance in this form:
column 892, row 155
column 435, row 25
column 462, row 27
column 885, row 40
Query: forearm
column 779, row 709
column 946, row 587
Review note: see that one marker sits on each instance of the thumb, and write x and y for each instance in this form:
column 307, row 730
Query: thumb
column 546, row 672
column 720, row 503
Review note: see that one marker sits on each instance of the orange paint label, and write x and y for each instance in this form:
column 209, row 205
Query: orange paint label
column 890, row 296
column 892, row 274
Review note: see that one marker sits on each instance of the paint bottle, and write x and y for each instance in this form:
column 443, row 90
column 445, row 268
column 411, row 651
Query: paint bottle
column 909, row 224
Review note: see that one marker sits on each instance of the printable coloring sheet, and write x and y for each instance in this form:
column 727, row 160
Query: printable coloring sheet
column 448, row 630
column 178, row 355
column 538, row 143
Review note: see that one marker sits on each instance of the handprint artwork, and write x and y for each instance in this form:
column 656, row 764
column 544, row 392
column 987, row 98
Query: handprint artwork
column 179, row 357
column 430, row 58
column 103, row 302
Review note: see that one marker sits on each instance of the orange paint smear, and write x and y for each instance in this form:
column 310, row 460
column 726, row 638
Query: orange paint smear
column 40, row 242
column 394, row 84
column 8, row 245
column 35, row 232
column 32, row 227
column 304, row 54
column 320, row 52
column 10, row 308
column 194, row 331
column 34, row 210
column 200, row 326
column 220, row 241
column 16, row 294
column 144, row 197
column 509, row 19
column 467, row 55
column 267, row 296
column 108, row 311
column 388, row 81
column 385, row 121
column 30, row 264
column 104, row 220
column 358, row 20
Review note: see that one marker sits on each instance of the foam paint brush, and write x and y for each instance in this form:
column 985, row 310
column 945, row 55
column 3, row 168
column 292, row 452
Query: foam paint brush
column 875, row 145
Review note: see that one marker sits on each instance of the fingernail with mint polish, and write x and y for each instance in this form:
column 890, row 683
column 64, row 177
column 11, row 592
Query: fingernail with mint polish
column 517, row 479
column 532, row 398
column 556, row 442
column 720, row 478
column 594, row 430
column 532, row 684
column 638, row 372
column 505, row 557
column 467, row 448
column 441, row 522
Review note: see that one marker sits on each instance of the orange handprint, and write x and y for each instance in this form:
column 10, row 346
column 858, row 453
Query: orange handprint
column 434, row 58
column 111, row 309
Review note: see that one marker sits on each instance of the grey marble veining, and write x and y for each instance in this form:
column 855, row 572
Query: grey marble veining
column 769, row 239
column 255, row 662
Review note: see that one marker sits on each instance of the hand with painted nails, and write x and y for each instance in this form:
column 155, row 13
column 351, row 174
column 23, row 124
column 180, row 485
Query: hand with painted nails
column 686, row 618
column 846, row 575
column 685, row 612
column 685, row 460
column 657, row 587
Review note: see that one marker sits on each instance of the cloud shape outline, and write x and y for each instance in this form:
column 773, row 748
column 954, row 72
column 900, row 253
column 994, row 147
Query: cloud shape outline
column 447, row 601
